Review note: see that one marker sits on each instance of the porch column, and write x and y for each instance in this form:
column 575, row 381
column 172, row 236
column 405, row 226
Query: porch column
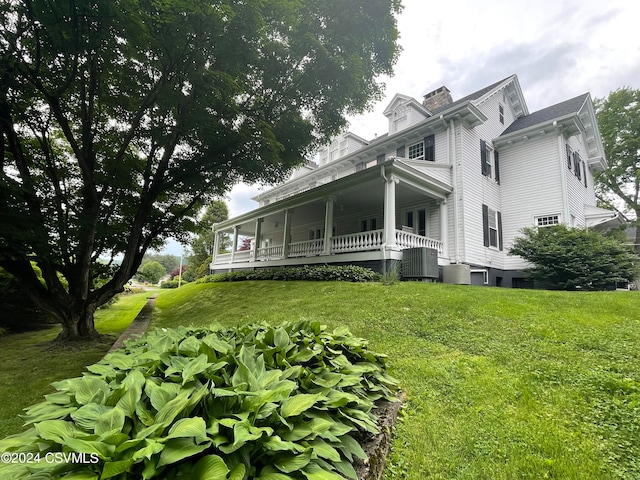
column 444, row 226
column 216, row 244
column 287, row 233
column 328, row 225
column 389, row 235
column 256, row 241
column 234, row 245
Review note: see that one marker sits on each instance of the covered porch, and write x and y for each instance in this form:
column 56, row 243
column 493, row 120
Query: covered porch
column 367, row 217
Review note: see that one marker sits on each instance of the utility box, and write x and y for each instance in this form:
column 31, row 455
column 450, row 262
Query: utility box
column 419, row 263
column 457, row 274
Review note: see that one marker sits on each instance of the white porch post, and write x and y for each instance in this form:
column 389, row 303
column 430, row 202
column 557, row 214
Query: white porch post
column 444, row 227
column 328, row 225
column 234, row 246
column 287, row 233
column 216, row 245
column 389, row 234
column 256, row 241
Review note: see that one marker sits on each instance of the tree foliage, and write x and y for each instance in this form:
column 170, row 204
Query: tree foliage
column 203, row 243
column 619, row 122
column 151, row 272
column 120, row 120
column 573, row 258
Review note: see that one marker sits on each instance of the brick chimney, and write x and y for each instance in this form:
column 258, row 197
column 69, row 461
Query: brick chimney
column 438, row 98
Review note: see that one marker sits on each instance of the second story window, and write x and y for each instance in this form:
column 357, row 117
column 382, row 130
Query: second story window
column 577, row 165
column 430, row 148
column 490, row 161
column 425, row 150
column 416, row 151
column 501, row 113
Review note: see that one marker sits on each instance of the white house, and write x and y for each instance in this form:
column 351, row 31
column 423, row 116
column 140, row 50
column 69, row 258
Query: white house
column 460, row 178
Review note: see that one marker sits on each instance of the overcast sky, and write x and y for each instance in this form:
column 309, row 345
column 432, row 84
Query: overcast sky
column 558, row 48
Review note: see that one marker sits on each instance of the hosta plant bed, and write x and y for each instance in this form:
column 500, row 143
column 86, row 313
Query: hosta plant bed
column 251, row 402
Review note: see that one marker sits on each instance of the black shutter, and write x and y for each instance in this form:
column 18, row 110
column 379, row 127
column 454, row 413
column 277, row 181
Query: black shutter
column 584, row 167
column 430, row 148
column 400, row 152
column 485, row 224
column 499, row 230
column 568, row 156
column 496, row 164
column 483, row 157
column 380, row 158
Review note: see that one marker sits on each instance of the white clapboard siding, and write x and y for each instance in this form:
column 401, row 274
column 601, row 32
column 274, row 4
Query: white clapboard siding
column 531, row 186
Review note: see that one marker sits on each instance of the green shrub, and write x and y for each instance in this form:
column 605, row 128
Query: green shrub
column 253, row 401
column 172, row 283
column 346, row 273
column 566, row 258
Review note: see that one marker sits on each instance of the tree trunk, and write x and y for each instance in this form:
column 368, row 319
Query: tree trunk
column 79, row 325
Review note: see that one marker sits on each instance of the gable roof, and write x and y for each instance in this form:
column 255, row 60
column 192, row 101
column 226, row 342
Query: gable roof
column 401, row 99
column 559, row 110
column 473, row 96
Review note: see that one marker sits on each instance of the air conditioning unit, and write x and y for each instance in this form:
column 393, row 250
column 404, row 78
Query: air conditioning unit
column 420, row 263
column 457, row 274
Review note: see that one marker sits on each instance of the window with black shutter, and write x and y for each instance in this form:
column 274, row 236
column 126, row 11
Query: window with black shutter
column 492, row 227
column 569, row 162
column 430, row 148
column 485, row 225
column 484, row 159
column 577, row 170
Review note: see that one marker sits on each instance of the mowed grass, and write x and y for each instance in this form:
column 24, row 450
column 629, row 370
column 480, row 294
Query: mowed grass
column 31, row 362
column 500, row 384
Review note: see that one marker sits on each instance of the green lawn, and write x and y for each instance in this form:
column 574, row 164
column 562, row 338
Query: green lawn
column 501, row 384
column 30, row 362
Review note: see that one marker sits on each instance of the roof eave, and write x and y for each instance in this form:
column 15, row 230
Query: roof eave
column 570, row 124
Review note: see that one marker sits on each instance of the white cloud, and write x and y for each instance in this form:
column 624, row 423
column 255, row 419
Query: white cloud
column 239, row 198
column 558, row 49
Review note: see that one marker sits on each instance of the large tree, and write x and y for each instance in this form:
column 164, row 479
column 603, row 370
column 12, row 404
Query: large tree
column 120, row 119
column 619, row 122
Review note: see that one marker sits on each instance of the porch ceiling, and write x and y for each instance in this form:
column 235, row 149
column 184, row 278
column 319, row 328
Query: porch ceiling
column 360, row 191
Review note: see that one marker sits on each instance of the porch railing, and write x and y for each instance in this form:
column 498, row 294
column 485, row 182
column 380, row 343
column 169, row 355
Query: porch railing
column 354, row 242
column 411, row 240
column 242, row 256
column 270, row 253
column 222, row 258
column 306, row 248
column 357, row 242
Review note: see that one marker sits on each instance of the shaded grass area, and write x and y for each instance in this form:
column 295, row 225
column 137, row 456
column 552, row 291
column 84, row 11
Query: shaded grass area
column 501, row 384
column 30, row 362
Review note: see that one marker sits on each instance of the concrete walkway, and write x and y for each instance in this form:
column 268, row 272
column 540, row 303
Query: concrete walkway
column 139, row 324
